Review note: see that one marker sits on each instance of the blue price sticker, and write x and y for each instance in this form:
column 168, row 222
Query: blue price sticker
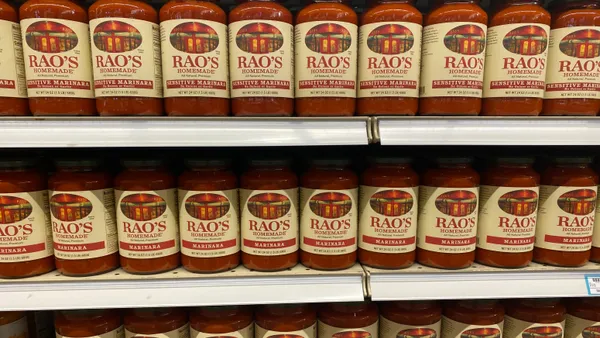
column 592, row 283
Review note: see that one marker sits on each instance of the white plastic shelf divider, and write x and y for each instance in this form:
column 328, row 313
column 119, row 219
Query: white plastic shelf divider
column 62, row 132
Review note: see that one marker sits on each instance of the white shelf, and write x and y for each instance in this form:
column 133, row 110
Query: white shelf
column 118, row 289
column 60, row 132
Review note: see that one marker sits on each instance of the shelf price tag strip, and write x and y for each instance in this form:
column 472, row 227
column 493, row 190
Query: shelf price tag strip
column 592, row 282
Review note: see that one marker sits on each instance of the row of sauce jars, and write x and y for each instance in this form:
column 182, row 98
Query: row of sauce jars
column 440, row 58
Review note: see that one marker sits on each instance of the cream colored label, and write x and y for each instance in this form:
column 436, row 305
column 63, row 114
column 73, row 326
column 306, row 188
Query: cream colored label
column 194, row 58
column 25, row 232
column 596, row 233
column 328, row 221
column 566, row 218
column 574, row 63
column 247, row 332
column 516, row 60
column 326, row 59
column 453, row 59
column 118, row 333
column 57, row 58
column 269, row 221
column 261, row 58
column 576, row 327
column 16, row 329
column 454, row 329
column 391, row 329
column 182, row 332
column 12, row 70
column 208, row 223
column 388, row 219
column 309, row 332
column 328, row 331
column 83, row 223
column 390, row 59
column 447, row 219
column 507, row 218
column 515, row 328
column 147, row 223
column 126, row 57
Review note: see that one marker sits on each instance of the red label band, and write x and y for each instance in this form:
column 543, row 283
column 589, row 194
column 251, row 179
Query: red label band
column 60, row 84
column 7, row 84
column 79, row 247
column 568, row 240
column 147, row 247
column 270, row 244
column 575, row 87
column 389, row 241
column 326, row 243
column 326, row 84
column 262, row 84
column 510, row 241
column 15, row 250
column 388, row 84
column 468, row 84
column 196, row 84
column 209, row 245
column 139, row 84
column 518, row 84
column 450, row 241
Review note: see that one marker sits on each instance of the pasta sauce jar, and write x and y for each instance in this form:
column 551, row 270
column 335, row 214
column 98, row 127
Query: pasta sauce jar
column 82, row 209
column 160, row 322
column 26, row 248
column 261, row 59
column 349, row 320
column 410, row 319
column 517, row 52
column 127, row 72
column 453, row 58
column 583, row 318
column 387, row 228
column 473, row 318
column 290, row 320
column 326, row 59
column 566, row 217
column 269, row 216
column 147, row 217
column 508, row 213
column 221, row 321
column 194, row 58
column 208, row 216
column 534, row 318
column 88, row 324
column 13, row 96
column 388, row 70
column 328, row 215
column 57, row 84
column 448, row 202
column 13, row 324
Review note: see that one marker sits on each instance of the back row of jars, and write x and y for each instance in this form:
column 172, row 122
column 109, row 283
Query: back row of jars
column 121, row 73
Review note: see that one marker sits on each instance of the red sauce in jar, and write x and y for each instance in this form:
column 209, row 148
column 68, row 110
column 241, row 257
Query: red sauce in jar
column 290, row 320
column 88, row 323
column 13, row 102
column 450, row 192
column 388, row 199
column 335, row 320
column 145, row 195
column 509, row 198
column 583, row 317
column 473, row 318
column 534, row 318
column 14, row 324
column 172, row 322
column 222, row 321
column 410, row 319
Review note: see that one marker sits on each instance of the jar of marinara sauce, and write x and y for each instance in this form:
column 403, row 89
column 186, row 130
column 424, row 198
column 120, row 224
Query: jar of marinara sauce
column 82, row 209
column 269, row 216
column 534, row 318
column 147, row 217
column 473, row 318
column 127, row 72
column 349, row 320
column 13, row 324
column 453, row 58
column 326, row 59
column 422, row 319
column 383, row 89
column 583, row 317
column 221, row 321
column 448, row 201
column 290, row 320
column 508, row 213
column 517, row 41
column 165, row 322
column 188, row 93
column 27, row 248
column 88, row 323
column 209, row 216
column 387, row 228
column 563, row 235
column 13, row 100
column 329, row 215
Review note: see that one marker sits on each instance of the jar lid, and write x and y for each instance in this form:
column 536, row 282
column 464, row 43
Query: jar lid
column 454, row 160
column 77, row 162
column 390, row 160
column 573, row 160
column 516, row 160
column 560, row 5
column 18, row 162
column 209, row 162
column 142, row 162
column 270, row 162
column 331, row 162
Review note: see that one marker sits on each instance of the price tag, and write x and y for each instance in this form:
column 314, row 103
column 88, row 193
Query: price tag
column 593, row 284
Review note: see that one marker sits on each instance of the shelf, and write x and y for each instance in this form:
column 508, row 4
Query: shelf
column 33, row 132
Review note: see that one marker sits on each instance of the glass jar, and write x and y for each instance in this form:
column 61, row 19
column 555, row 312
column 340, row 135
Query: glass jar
column 422, row 319
column 583, row 317
column 88, row 323
column 13, row 324
column 170, row 322
column 289, row 320
column 222, row 321
column 343, row 320
column 473, row 318
column 13, row 101
column 534, row 318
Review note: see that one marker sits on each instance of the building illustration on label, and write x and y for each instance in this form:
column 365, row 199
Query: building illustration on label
column 328, row 38
column 194, row 38
column 330, row 204
column 143, row 207
column 466, row 40
column 526, row 40
column 50, row 37
column 207, row 206
column 286, row 335
column 457, row 203
column 578, row 202
column 14, row 209
column 522, row 202
column 352, row 334
column 591, row 332
column 116, row 37
column 259, row 38
column 390, row 39
column 269, row 205
column 482, row 332
column 417, row 333
column 543, row 332
column 392, row 203
column 70, row 207
column 582, row 44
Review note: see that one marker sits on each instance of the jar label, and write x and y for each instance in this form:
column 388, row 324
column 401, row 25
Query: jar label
column 328, row 221
column 309, row 332
column 516, row 60
column 247, row 332
column 147, row 223
column 269, row 221
column 83, row 223
column 328, row 331
column 390, row 59
column 391, row 329
column 507, row 218
column 576, row 327
column 261, row 58
column 25, row 232
column 12, row 69
column 447, row 219
column 194, row 58
column 454, row 329
column 388, row 219
column 16, row 329
column 208, row 223
column 117, row 333
column 326, row 59
column 182, row 332
column 57, row 54
column 452, row 60
column 126, row 57
column 566, row 218
column 515, row 328
column 573, row 63
column 596, row 232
